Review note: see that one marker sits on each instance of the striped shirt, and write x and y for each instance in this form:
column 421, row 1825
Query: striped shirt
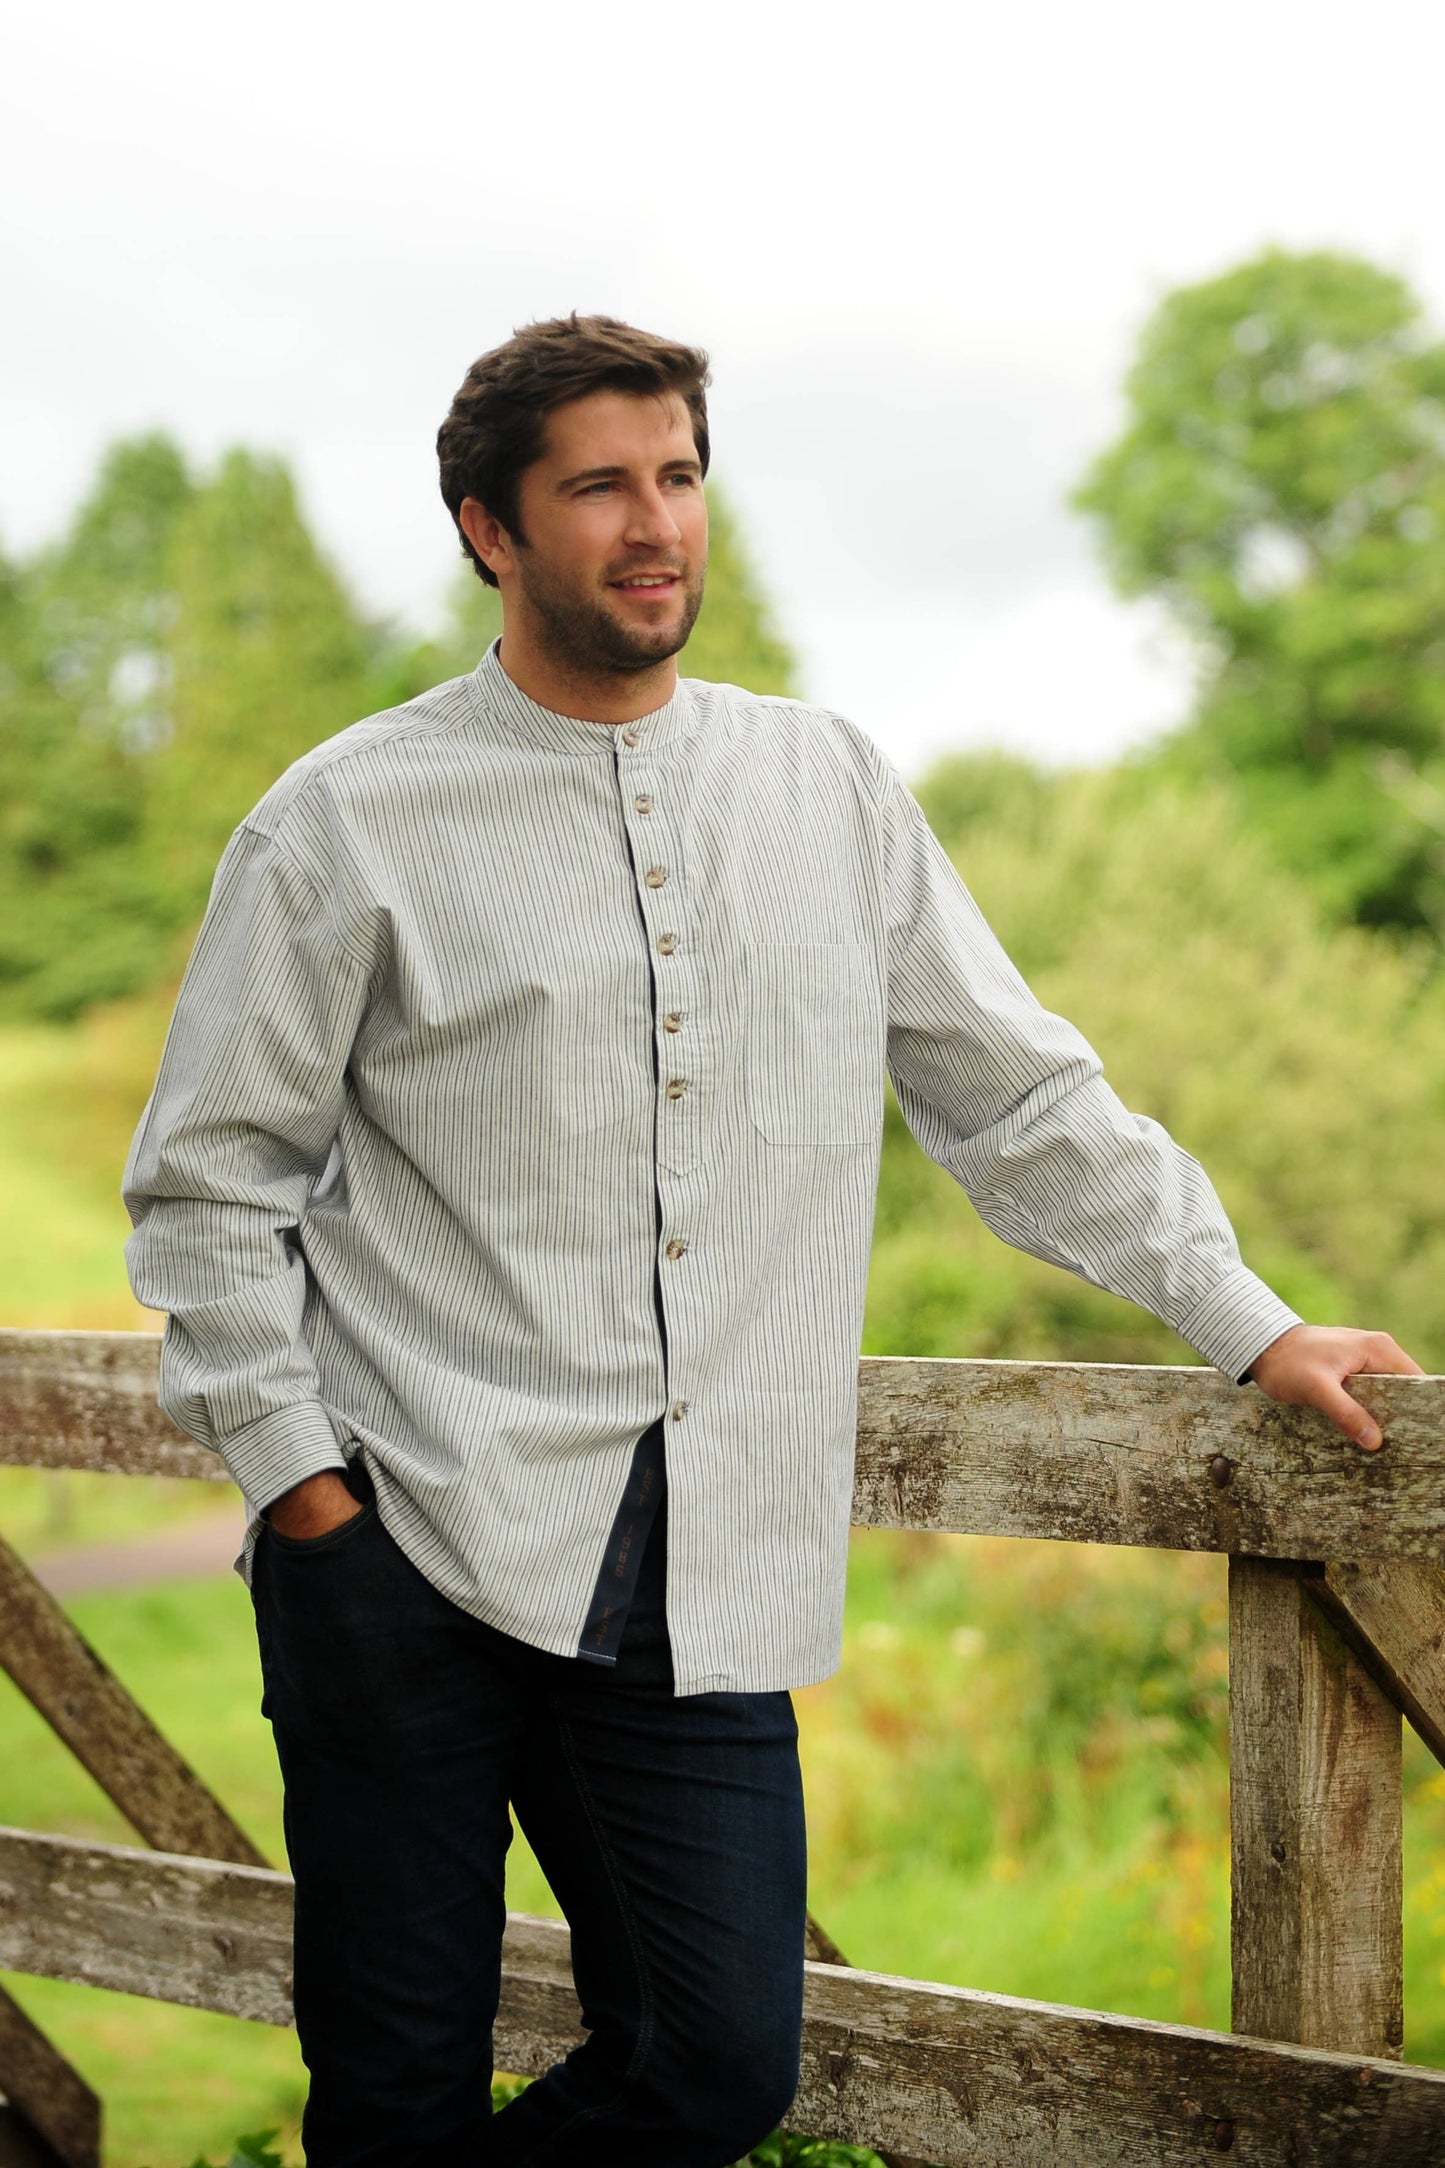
column 502, row 1029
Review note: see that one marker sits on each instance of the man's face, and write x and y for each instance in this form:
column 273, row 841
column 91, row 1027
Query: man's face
column 616, row 527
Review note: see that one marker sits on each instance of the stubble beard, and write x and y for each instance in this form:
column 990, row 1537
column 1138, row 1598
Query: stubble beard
column 587, row 640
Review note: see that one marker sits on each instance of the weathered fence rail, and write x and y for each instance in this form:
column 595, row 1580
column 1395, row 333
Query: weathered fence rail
column 1337, row 1625
column 943, row 2072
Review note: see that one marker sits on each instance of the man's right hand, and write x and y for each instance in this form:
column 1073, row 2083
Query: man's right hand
column 313, row 1508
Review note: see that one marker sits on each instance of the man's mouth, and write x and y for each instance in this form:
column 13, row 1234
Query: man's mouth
column 641, row 582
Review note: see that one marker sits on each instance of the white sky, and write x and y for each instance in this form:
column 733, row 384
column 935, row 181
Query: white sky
column 916, row 240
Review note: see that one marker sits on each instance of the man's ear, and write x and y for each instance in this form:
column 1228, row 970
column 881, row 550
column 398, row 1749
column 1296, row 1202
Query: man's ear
column 488, row 537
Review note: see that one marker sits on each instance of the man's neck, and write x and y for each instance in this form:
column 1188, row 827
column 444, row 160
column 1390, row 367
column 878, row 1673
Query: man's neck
column 613, row 696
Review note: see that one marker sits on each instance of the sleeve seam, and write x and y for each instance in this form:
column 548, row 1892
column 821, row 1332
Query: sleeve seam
column 279, row 843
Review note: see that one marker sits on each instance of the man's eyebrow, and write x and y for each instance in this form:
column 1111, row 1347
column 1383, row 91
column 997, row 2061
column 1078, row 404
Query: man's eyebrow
column 591, row 474
column 610, row 474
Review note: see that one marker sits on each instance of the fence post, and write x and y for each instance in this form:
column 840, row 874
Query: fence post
column 1314, row 1756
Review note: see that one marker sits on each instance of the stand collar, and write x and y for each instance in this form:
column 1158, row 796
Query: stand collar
column 496, row 694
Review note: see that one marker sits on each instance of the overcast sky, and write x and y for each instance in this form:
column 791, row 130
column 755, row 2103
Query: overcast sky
column 918, row 242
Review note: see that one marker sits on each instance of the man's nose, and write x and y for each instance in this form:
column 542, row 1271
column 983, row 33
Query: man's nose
column 652, row 520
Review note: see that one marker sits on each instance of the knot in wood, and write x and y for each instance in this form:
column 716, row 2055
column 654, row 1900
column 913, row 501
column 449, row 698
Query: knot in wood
column 1223, row 2135
column 1221, row 1472
column 226, row 1944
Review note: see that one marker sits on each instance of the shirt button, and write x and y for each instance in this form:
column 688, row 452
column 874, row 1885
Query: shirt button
column 679, row 1410
column 673, row 1020
column 675, row 1249
column 667, row 944
column 676, row 1086
column 655, row 876
column 642, row 803
column 630, row 737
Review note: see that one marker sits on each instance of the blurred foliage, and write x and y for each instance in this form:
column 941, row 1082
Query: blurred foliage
column 734, row 641
column 265, row 657
column 161, row 665
column 1302, row 1062
column 1280, row 487
column 82, row 684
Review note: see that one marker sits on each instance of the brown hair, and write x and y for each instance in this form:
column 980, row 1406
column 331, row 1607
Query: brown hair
column 495, row 428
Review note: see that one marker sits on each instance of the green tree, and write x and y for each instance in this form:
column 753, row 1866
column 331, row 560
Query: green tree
column 1280, row 487
column 159, row 667
column 734, row 640
column 84, row 692
column 266, row 656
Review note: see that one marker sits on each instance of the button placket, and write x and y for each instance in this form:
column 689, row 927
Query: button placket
column 654, row 857
column 664, row 918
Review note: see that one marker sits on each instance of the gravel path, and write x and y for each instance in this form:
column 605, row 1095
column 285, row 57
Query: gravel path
column 206, row 1545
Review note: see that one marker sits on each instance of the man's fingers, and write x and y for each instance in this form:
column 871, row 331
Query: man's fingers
column 1385, row 1357
column 1342, row 1408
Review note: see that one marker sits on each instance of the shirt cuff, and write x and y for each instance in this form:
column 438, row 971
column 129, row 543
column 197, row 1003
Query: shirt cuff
column 1236, row 1321
column 279, row 1450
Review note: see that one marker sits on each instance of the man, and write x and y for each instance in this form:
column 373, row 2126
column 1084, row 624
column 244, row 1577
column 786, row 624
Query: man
column 509, row 1182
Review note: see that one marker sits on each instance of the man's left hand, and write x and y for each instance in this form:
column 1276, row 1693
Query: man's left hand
column 1306, row 1367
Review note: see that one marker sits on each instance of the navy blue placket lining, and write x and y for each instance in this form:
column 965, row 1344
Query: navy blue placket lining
column 617, row 1582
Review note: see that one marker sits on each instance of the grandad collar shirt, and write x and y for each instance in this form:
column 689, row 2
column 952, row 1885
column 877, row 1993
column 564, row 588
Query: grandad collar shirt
column 504, row 1029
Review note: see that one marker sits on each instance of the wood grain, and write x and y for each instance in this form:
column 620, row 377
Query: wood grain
column 88, row 1400
column 52, row 2109
column 108, row 1732
column 951, row 2075
column 1081, row 1452
column 1170, row 1458
column 1393, row 1616
column 1314, row 1759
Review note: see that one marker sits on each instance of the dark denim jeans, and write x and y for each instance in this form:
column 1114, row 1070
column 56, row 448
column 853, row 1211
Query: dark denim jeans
column 670, row 1829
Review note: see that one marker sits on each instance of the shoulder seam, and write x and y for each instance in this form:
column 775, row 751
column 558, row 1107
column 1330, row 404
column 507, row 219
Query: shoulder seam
column 399, row 729
column 278, row 842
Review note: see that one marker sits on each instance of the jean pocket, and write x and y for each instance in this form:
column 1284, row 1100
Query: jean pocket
column 331, row 1539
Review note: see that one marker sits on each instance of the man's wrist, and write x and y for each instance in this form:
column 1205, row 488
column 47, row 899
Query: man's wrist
column 1252, row 1369
column 314, row 1506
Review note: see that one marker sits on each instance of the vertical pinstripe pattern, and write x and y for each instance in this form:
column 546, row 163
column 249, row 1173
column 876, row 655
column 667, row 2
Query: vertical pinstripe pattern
column 494, row 1015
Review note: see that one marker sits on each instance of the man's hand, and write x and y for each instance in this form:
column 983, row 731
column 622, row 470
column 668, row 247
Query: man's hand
column 314, row 1507
column 1306, row 1367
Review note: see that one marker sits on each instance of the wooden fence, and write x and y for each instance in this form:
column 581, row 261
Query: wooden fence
column 1336, row 1628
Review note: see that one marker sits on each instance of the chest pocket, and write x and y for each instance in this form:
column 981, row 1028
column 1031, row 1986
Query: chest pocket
column 813, row 1061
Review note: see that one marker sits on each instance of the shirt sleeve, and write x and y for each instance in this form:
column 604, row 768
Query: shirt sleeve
column 1011, row 1100
column 239, row 1127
